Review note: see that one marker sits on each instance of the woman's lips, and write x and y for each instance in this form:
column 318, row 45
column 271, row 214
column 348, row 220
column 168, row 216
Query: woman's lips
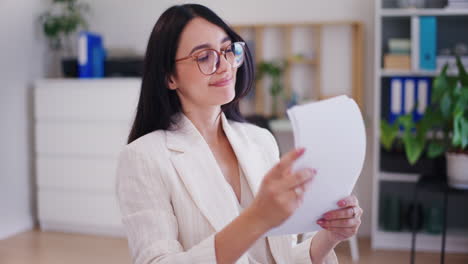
column 223, row 82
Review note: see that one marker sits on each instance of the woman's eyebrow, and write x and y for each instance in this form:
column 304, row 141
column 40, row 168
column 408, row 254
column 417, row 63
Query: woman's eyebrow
column 205, row 46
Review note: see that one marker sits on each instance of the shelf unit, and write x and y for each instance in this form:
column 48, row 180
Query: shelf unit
column 287, row 38
column 391, row 73
column 398, row 177
column 398, row 12
column 406, row 20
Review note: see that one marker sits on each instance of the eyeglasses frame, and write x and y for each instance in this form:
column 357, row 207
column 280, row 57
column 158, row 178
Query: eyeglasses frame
column 220, row 53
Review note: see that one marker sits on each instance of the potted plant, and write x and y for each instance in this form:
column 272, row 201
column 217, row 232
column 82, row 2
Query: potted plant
column 442, row 130
column 59, row 23
column 275, row 70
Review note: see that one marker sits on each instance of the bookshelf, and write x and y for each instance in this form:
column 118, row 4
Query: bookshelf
column 398, row 12
column 394, row 22
column 303, row 74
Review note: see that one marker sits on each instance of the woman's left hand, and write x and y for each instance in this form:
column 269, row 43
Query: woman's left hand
column 342, row 223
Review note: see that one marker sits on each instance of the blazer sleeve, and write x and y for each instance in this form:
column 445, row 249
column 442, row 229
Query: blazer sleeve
column 148, row 217
column 300, row 252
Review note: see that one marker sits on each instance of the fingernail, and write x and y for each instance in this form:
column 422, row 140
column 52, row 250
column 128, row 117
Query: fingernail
column 342, row 203
column 300, row 151
column 320, row 222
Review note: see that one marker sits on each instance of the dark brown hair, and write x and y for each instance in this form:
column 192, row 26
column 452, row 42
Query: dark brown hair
column 158, row 105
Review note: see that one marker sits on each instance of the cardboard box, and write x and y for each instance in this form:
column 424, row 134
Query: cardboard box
column 397, row 62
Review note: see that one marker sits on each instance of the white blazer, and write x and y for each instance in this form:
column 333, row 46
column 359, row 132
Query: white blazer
column 174, row 198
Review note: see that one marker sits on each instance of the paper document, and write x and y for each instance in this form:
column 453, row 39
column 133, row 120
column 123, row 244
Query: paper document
column 333, row 133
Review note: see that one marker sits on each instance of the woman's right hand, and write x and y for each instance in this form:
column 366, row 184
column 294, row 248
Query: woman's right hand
column 281, row 191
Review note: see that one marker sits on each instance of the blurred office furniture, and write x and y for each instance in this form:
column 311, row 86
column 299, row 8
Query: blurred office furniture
column 392, row 174
column 437, row 185
column 80, row 127
column 259, row 120
column 113, row 67
column 314, row 52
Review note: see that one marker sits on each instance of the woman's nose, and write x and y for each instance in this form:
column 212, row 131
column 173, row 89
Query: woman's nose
column 224, row 64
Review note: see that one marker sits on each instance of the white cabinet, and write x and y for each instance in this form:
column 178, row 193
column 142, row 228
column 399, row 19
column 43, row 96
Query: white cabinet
column 80, row 126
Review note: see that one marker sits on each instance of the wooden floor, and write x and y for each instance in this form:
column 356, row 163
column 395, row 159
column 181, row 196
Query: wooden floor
column 58, row 248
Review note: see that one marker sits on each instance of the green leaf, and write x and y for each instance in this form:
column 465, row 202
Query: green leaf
column 460, row 131
column 440, row 85
column 388, row 133
column 273, row 69
column 435, row 149
column 406, row 121
column 422, row 127
column 432, row 117
column 457, row 127
column 462, row 75
column 51, row 27
column 413, row 147
column 446, row 104
column 464, row 132
column 413, row 142
column 461, row 98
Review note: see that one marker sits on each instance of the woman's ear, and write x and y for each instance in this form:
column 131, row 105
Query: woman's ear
column 171, row 83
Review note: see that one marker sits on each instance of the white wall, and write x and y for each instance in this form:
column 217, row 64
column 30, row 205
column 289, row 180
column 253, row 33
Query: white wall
column 126, row 24
column 21, row 54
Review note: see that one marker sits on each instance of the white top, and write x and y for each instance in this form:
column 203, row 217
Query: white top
column 259, row 252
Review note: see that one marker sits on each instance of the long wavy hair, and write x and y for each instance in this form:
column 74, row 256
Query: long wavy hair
column 158, row 105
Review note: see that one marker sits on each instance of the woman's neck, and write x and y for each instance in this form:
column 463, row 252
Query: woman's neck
column 208, row 123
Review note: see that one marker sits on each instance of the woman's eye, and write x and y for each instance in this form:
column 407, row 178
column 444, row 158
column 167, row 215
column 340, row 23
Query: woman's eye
column 203, row 58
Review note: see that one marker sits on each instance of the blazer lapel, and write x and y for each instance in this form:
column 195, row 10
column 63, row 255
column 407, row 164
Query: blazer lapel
column 201, row 175
column 248, row 155
column 255, row 168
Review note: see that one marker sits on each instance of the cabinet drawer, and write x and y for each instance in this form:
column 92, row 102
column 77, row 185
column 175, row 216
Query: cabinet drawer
column 79, row 209
column 81, row 138
column 77, row 174
column 107, row 99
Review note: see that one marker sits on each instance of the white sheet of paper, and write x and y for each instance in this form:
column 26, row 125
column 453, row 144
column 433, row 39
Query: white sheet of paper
column 333, row 133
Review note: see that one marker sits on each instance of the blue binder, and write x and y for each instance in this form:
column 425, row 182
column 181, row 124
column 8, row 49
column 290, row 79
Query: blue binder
column 396, row 99
column 409, row 96
column 91, row 55
column 423, row 96
column 427, row 43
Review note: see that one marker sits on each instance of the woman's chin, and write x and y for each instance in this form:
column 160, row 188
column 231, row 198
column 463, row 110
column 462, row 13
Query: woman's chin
column 224, row 96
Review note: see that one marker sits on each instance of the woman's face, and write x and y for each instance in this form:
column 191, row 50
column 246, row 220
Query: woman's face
column 194, row 88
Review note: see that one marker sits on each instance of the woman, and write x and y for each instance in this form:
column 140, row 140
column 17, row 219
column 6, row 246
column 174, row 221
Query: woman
column 197, row 185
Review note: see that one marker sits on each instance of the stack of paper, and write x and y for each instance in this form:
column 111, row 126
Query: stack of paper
column 333, row 133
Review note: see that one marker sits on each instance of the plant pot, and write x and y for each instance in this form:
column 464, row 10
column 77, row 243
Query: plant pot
column 457, row 170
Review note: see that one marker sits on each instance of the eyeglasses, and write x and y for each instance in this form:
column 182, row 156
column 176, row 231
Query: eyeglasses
column 208, row 59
